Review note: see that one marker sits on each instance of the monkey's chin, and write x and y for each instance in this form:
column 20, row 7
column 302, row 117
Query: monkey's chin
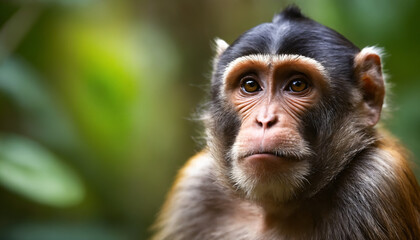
column 268, row 176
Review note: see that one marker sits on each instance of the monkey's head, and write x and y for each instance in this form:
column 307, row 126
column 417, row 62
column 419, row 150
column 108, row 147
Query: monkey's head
column 292, row 102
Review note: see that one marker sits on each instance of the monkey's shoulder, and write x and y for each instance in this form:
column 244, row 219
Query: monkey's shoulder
column 381, row 192
column 195, row 204
column 197, row 166
column 197, row 183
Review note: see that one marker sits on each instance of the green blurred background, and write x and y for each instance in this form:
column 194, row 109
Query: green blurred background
column 97, row 97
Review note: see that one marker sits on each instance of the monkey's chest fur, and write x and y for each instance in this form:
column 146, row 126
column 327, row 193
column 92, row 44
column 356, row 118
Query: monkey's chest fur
column 201, row 208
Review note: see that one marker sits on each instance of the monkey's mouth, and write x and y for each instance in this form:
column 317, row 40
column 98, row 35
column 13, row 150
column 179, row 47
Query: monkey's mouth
column 270, row 155
column 266, row 163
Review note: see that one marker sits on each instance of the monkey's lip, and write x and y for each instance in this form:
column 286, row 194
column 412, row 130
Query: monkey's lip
column 265, row 163
column 267, row 156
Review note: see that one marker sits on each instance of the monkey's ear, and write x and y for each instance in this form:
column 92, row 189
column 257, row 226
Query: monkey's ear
column 368, row 69
column 220, row 46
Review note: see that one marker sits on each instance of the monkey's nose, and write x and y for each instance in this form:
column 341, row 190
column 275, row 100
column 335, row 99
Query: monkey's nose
column 267, row 121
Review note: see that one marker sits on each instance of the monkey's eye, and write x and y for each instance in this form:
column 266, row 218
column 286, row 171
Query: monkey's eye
column 250, row 85
column 297, row 85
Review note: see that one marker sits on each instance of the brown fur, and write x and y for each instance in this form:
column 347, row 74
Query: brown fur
column 376, row 197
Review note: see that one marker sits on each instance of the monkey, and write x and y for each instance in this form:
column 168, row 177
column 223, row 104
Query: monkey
column 293, row 145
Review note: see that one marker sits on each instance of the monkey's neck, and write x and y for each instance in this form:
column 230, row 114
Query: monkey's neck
column 275, row 219
column 292, row 214
column 286, row 219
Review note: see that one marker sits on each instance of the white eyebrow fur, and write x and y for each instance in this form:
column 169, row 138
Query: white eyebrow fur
column 273, row 60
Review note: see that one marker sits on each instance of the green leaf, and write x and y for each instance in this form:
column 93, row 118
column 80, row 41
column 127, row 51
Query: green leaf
column 32, row 171
column 43, row 115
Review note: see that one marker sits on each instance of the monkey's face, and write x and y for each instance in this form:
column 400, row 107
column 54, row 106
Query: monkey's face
column 270, row 94
column 292, row 103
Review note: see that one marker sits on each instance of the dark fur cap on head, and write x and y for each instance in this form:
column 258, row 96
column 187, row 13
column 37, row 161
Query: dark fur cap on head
column 289, row 12
column 291, row 32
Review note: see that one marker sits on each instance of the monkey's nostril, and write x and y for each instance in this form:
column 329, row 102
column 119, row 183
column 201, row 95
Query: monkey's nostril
column 272, row 122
